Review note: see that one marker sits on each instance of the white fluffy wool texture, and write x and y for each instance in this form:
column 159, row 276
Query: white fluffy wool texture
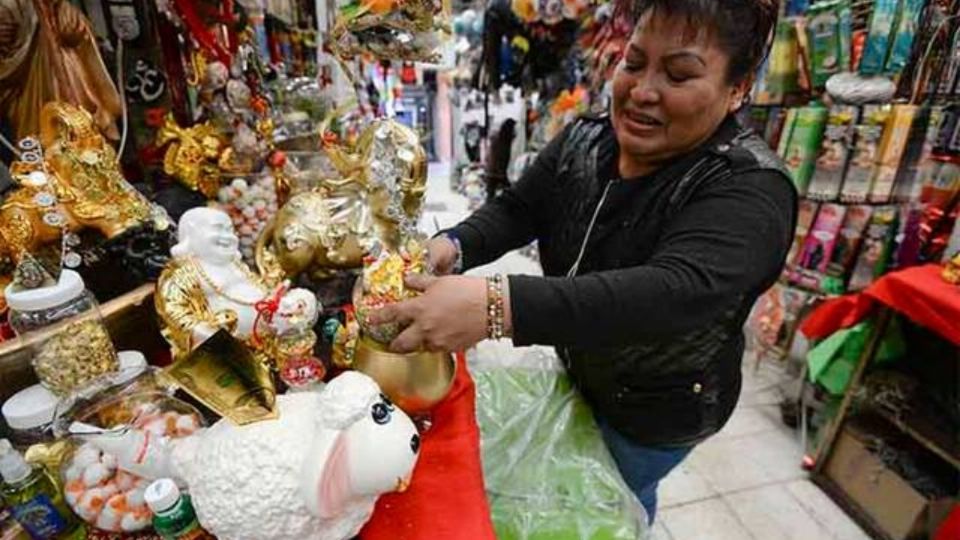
column 346, row 399
column 245, row 481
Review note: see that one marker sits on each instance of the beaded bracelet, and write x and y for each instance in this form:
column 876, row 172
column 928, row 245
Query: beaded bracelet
column 495, row 313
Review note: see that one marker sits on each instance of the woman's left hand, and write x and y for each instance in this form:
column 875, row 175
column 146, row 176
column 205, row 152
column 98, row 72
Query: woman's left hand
column 450, row 315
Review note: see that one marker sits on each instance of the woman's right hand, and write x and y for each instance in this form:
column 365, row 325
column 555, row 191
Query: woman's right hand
column 442, row 254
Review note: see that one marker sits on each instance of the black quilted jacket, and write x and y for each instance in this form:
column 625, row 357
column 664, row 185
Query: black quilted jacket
column 651, row 326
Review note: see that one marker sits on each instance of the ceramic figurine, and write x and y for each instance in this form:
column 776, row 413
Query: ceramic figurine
column 314, row 472
column 206, row 287
column 376, row 201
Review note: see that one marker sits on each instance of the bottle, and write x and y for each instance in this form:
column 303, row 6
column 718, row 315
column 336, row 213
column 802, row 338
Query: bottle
column 34, row 499
column 173, row 515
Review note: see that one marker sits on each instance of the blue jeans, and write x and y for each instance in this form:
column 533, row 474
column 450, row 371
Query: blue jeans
column 642, row 467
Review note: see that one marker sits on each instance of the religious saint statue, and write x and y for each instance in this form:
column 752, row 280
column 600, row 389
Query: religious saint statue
column 48, row 53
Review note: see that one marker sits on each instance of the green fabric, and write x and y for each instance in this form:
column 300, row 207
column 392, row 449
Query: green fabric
column 548, row 473
column 832, row 361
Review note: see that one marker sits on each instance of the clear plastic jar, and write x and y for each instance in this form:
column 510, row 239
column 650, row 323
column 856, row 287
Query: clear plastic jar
column 63, row 327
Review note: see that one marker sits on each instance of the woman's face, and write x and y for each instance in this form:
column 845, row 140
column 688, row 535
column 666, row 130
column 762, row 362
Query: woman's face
column 670, row 92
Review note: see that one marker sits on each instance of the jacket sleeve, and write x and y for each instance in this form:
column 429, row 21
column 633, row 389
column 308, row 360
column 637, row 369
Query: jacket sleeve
column 513, row 219
column 722, row 246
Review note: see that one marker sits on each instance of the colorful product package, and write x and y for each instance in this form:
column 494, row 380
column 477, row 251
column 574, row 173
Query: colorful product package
column 949, row 121
column 906, row 30
column 801, row 141
column 880, row 32
column 953, row 243
column 834, row 154
column 892, row 145
column 806, row 213
column 849, row 240
column 863, row 160
column 818, row 246
column 825, row 31
column 907, row 251
column 920, row 142
column 782, row 68
column 875, row 252
column 775, row 123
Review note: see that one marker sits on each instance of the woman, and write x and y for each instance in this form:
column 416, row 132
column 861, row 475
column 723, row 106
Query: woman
column 658, row 228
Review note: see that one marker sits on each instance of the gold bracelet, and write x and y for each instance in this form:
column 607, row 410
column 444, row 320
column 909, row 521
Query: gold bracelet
column 495, row 311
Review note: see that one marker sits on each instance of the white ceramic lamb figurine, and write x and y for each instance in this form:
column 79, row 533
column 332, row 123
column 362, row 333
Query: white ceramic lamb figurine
column 313, row 473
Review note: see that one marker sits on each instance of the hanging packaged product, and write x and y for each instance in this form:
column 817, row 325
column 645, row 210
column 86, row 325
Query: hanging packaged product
column 781, row 67
column 863, row 161
column 827, row 24
column 890, row 152
column 801, row 141
column 949, row 124
column 834, row 154
column 390, row 30
column 919, row 149
column 34, row 499
column 907, row 252
column 805, row 216
column 62, row 326
column 908, row 19
column 849, row 240
column 880, row 31
column 818, row 246
column 875, row 252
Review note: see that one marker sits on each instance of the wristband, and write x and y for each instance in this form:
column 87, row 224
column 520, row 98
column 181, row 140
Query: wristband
column 458, row 263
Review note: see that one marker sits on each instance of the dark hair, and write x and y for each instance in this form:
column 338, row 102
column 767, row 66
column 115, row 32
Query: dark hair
column 743, row 28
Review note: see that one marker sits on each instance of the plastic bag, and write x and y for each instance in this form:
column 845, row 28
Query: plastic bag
column 548, row 473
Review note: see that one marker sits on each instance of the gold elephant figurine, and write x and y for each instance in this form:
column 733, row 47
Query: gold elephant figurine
column 71, row 182
column 376, row 201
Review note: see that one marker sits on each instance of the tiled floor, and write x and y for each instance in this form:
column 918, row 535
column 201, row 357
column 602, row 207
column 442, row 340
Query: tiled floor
column 745, row 483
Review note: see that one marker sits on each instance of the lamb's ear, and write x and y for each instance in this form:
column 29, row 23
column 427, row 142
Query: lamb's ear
column 334, row 491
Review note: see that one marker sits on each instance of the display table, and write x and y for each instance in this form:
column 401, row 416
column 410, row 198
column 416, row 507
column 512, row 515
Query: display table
column 918, row 293
column 446, row 499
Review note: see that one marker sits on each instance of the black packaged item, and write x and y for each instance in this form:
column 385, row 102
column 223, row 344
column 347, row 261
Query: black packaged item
column 920, row 143
column 945, row 133
column 874, row 256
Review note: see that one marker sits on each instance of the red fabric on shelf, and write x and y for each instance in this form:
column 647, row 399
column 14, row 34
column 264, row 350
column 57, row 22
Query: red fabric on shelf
column 446, row 499
column 919, row 293
column 950, row 528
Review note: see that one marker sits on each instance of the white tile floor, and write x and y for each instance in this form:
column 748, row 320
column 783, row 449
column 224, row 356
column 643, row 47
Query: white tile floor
column 743, row 483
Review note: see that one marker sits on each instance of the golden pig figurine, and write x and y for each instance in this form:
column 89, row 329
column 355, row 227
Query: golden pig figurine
column 376, row 201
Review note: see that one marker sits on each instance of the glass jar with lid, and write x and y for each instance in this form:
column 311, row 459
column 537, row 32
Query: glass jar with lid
column 63, row 327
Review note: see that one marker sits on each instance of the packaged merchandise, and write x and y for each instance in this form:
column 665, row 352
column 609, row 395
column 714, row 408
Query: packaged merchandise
column 892, row 145
column 806, row 213
column 9, row 528
column 906, row 30
column 782, row 69
column 874, row 255
column 825, row 31
column 907, row 249
column 820, row 241
column 880, row 31
column 799, row 144
column 34, row 499
column 834, row 154
column 767, row 318
column 953, row 243
column 863, row 159
column 849, row 240
column 774, row 128
column 949, row 122
column 919, row 149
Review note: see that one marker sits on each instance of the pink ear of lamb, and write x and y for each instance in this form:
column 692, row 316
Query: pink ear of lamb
column 334, row 488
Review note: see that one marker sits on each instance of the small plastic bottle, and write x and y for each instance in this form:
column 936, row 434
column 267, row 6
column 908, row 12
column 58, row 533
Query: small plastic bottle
column 36, row 503
column 173, row 514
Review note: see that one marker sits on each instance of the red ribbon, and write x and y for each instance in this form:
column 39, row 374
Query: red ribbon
column 266, row 309
column 198, row 30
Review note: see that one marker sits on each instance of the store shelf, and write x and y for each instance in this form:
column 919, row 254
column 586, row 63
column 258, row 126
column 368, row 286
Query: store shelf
column 924, row 431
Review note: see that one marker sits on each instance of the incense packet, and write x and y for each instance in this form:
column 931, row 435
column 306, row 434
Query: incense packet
column 802, row 142
column 806, row 213
column 848, row 241
column 892, row 145
column 875, row 252
column 868, row 132
column 879, row 35
column 819, row 244
column 906, row 30
column 834, row 154
column 919, row 150
column 824, row 41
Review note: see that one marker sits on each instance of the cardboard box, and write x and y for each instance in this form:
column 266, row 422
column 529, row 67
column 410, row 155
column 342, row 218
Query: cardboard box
column 889, row 500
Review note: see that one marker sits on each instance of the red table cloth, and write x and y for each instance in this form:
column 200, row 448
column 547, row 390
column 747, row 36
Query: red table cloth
column 446, row 499
column 919, row 293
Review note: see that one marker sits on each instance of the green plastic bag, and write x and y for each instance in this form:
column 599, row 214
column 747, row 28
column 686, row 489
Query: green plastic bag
column 832, row 361
column 548, row 473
